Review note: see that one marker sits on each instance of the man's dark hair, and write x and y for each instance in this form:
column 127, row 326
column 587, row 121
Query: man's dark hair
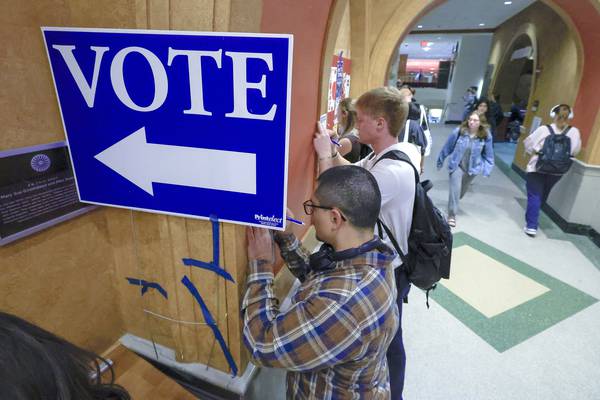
column 36, row 364
column 354, row 191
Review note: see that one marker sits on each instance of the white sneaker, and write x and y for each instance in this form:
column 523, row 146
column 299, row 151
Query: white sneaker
column 530, row 231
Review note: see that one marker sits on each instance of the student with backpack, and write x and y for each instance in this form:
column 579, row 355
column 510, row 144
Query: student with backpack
column 551, row 147
column 381, row 115
column 416, row 129
column 470, row 153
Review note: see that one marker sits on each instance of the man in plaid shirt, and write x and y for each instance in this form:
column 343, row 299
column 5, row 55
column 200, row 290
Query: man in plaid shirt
column 334, row 337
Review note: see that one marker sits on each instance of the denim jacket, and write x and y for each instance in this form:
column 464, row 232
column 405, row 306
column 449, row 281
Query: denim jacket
column 482, row 154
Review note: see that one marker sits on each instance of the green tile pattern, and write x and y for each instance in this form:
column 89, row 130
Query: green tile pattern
column 518, row 324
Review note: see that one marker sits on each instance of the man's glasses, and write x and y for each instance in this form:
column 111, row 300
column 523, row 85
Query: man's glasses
column 309, row 207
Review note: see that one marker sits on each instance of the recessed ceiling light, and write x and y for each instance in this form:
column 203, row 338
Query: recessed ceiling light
column 508, row 3
column 419, row 26
column 482, row 24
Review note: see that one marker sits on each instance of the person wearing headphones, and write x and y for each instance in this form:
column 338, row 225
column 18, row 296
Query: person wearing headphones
column 333, row 338
column 545, row 170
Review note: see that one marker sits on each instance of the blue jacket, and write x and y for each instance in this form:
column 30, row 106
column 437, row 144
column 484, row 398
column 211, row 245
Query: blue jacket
column 482, row 154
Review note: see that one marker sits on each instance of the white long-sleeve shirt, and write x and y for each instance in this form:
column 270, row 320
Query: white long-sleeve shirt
column 534, row 143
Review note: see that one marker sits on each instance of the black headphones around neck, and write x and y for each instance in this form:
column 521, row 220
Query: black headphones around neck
column 326, row 257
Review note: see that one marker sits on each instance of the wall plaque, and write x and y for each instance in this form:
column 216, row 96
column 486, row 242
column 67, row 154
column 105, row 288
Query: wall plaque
column 37, row 190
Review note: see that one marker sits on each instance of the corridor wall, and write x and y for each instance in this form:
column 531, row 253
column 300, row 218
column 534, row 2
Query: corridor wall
column 565, row 71
column 71, row 279
column 553, row 42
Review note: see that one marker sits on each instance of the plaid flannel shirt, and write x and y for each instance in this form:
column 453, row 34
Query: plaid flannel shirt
column 333, row 339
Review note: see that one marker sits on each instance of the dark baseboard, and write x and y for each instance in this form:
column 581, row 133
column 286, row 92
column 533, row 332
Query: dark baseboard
column 518, row 170
column 563, row 224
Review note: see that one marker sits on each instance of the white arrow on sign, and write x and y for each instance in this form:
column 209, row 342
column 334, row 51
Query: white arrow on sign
column 143, row 163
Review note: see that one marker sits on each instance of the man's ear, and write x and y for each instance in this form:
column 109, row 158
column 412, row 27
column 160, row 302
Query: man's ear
column 381, row 123
column 335, row 217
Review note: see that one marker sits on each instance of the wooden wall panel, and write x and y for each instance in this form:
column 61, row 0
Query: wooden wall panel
column 71, row 279
column 62, row 278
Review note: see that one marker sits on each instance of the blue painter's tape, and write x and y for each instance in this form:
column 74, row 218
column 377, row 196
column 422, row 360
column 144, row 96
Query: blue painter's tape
column 148, row 285
column 211, row 322
column 190, row 262
column 215, row 231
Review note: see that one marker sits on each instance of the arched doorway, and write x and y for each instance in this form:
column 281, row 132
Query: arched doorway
column 513, row 85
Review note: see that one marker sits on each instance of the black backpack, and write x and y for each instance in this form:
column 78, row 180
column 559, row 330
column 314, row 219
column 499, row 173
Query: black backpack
column 555, row 155
column 429, row 240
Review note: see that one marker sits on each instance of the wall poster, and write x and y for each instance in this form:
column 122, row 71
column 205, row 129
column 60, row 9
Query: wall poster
column 339, row 87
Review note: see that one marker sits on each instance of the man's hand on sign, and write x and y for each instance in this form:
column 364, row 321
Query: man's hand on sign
column 288, row 227
column 260, row 244
column 322, row 142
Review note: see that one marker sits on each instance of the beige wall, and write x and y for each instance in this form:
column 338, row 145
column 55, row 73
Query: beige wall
column 344, row 34
column 376, row 26
column 70, row 278
column 553, row 43
column 62, row 278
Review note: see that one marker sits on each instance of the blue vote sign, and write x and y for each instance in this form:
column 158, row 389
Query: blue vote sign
column 194, row 124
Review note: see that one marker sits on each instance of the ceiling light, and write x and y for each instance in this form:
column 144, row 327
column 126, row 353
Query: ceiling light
column 482, row 24
column 426, row 48
column 419, row 26
column 508, row 3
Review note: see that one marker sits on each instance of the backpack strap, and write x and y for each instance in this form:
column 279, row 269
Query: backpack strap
column 564, row 132
column 399, row 156
column 389, row 233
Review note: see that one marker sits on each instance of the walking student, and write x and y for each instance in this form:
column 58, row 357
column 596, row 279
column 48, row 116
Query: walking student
column 470, row 153
column 551, row 147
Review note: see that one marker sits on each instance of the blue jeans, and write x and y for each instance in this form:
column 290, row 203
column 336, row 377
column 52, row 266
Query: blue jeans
column 538, row 188
column 396, row 356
